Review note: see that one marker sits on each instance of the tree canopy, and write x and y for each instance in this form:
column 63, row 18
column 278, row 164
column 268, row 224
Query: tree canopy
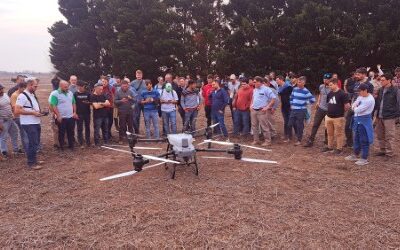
column 215, row 36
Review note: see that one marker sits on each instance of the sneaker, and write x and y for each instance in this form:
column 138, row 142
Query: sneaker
column 4, row 154
column 362, row 162
column 227, row 140
column 309, row 144
column 327, row 150
column 352, row 158
column 82, row 147
column 380, row 154
column 255, row 143
column 298, row 143
column 37, row 167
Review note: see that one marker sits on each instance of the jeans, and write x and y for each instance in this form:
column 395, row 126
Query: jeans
column 22, row 134
column 9, row 129
column 296, row 120
column 110, row 117
column 219, row 117
column 33, row 131
column 67, row 126
column 151, row 117
column 361, row 144
column 125, row 124
column 84, row 119
column 286, row 128
column 190, row 120
column 207, row 110
column 241, row 122
column 169, row 122
column 136, row 117
column 182, row 115
column 318, row 118
column 348, row 127
column 100, row 123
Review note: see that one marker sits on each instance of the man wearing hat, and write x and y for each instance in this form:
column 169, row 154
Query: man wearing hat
column 233, row 86
column 322, row 109
column 9, row 126
column 362, row 126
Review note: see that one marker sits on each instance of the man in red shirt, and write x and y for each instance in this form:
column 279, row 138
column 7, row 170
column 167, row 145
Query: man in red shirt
column 241, row 108
column 205, row 92
column 109, row 92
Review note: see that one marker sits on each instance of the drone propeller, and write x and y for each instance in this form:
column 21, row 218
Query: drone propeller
column 124, row 146
column 211, row 126
column 144, row 156
column 129, row 173
column 232, row 144
column 242, row 159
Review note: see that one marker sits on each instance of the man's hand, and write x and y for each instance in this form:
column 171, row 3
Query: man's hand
column 378, row 66
column 125, row 100
column 75, row 116
column 220, row 111
column 37, row 114
column 59, row 119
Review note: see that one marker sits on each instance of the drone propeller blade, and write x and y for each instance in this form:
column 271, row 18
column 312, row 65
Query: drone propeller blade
column 128, row 173
column 145, row 156
column 243, row 159
column 231, row 144
column 257, row 148
column 119, row 175
column 258, row 161
column 154, row 158
column 144, row 148
column 211, row 126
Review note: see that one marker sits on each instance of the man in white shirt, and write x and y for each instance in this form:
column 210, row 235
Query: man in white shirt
column 27, row 107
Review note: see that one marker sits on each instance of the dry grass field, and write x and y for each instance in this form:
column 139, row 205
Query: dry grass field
column 309, row 200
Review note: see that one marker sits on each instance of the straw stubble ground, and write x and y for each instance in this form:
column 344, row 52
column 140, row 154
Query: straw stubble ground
column 309, row 200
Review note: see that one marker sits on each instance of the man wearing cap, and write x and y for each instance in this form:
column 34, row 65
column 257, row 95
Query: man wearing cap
column 361, row 77
column 261, row 111
column 233, row 86
column 82, row 98
column 100, row 115
column 20, row 79
column 124, row 101
column 322, row 109
column 9, row 126
column 388, row 111
column 168, row 99
column 241, row 107
column 27, row 107
column 13, row 100
column 362, row 126
column 62, row 102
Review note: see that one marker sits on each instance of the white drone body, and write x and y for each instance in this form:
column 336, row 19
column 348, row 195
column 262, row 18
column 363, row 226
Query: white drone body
column 182, row 145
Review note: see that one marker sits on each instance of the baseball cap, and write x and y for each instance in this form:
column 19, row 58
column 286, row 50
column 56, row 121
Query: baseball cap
column 328, row 76
column 243, row 79
column 362, row 71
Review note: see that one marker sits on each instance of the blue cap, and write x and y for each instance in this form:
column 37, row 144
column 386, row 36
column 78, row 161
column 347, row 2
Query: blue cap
column 328, row 76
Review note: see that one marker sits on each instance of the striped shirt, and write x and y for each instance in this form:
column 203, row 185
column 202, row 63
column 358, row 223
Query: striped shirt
column 300, row 98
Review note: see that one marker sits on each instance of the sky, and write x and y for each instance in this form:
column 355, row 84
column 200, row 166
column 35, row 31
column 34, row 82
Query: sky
column 24, row 40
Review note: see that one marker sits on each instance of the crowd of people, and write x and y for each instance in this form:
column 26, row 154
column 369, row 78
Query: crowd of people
column 364, row 105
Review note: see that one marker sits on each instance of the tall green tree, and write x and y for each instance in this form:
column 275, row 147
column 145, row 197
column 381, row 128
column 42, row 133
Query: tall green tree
column 75, row 48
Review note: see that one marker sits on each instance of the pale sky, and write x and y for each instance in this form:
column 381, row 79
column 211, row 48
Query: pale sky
column 24, row 40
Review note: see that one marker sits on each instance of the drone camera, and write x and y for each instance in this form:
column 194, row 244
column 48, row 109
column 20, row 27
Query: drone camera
column 237, row 152
column 139, row 162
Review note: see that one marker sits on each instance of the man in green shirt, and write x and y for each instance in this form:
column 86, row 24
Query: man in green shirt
column 63, row 105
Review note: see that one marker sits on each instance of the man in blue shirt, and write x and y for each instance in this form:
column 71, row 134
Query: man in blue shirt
column 262, row 109
column 299, row 100
column 219, row 99
column 150, row 100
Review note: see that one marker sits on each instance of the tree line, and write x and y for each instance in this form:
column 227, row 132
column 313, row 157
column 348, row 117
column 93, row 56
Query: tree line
column 310, row 37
